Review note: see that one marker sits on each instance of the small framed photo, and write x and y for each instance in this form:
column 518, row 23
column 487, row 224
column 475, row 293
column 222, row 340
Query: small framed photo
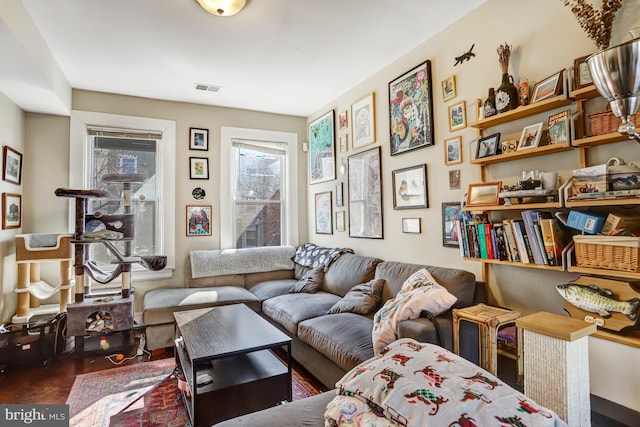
column 11, row 210
column 547, row 88
column 581, row 73
column 198, row 220
column 344, row 143
column 484, row 194
column 410, row 188
column 453, row 150
column 198, row 139
column 339, row 195
column 457, row 116
column 530, row 137
column 198, row 168
column 363, row 115
column 454, row 179
column 340, row 221
column 324, row 213
column 450, row 221
column 411, row 225
column 448, row 88
column 488, row 146
column 343, row 120
column 12, row 165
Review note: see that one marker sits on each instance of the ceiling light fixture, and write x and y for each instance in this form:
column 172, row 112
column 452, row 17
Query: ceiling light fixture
column 222, row 7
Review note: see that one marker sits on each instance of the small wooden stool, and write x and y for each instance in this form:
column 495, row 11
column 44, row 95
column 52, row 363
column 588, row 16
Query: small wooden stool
column 489, row 320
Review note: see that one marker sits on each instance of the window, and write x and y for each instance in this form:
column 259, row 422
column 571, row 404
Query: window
column 106, row 144
column 257, row 176
column 258, row 193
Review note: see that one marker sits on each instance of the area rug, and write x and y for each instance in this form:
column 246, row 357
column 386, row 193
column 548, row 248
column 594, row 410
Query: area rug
column 139, row 395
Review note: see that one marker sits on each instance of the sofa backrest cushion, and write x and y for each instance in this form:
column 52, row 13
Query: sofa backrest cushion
column 348, row 271
column 226, row 280
column 251, row 279
column 460, row 283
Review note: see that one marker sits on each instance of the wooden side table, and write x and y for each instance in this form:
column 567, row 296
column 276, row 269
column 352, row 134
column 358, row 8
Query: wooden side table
column 489, row 319
column 556, row 350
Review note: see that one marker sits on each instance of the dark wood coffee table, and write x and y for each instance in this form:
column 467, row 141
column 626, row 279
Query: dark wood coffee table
column 230, row 343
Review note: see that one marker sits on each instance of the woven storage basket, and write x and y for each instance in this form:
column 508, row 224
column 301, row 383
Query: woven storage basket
column 608, row 252
column 607, row 122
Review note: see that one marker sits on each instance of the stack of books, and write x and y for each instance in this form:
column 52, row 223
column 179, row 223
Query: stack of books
column 537, row 238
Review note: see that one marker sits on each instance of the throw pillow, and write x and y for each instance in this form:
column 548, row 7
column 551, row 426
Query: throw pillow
column 310, row 282
column 419, row 292
column 361, row 299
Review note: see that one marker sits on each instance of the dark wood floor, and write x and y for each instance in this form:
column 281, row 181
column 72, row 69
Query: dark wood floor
column 51, row 383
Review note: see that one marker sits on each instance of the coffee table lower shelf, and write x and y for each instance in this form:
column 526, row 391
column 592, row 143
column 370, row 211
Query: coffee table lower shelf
column 241, row 384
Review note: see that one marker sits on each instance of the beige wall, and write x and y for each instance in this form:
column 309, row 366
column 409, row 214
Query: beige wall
column 12, row 125
column 47, row 167
column 546, row 38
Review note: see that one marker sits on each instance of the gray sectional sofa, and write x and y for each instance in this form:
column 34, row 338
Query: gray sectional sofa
column 327, row 345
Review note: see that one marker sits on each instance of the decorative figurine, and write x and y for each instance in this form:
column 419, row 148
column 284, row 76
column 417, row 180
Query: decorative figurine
column 465, row 56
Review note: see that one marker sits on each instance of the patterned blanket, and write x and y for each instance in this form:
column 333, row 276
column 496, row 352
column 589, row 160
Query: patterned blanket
column 314, row 256
column 418, row 384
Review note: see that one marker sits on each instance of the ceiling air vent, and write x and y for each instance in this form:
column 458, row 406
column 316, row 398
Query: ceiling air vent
column 207, row 88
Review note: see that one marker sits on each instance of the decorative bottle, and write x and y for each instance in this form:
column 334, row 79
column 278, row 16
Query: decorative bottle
column 506, row 94
column 490, row 104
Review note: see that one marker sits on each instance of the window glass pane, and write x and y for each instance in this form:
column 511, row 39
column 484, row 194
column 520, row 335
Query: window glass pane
column 126, row 155
column 258, row 194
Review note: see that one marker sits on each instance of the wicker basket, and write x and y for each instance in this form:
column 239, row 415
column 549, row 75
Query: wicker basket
column 607, row 122
column 608, row 252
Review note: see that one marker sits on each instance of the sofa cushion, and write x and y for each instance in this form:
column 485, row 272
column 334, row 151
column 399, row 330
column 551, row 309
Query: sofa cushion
column 272, row 288
column 348, row 271
column 345, row 338
column 460, row 283
column 310, row 282
column 252, row 279
column 361, row 299
column 159, row 304
column 290, row 309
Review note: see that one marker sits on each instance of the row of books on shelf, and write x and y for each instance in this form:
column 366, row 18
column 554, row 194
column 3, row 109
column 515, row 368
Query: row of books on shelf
column 537, row 238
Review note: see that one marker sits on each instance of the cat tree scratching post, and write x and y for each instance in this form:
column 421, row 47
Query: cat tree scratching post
column 556, row 364
column 31, row 250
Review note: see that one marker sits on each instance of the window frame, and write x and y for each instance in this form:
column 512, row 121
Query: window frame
column 80, row 164
column 290, row 205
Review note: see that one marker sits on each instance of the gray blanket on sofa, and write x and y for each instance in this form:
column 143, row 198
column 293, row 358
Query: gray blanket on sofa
column 209, row 263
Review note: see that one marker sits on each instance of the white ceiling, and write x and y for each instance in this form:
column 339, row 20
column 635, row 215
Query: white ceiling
column 280, row 56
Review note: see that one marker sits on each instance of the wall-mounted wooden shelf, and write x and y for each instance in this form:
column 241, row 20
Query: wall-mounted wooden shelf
column 587, row 92
column 515, row 264
column 608, row 138
column 516, row 207
column 523, row 154
column 604, row 202
column 522, row 112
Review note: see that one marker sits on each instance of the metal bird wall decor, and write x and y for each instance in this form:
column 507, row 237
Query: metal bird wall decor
column 465, row 56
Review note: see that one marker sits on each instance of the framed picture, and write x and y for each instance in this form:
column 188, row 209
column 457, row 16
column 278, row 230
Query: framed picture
column 365, row 194
column 488, row 146
column 410, row 188
column 12, row 165
column 363, row 115
column 454, row 179
column 11, row 210
column 457, row 116
column 530, row 137
column 453, row 150
column 339, row 195
column 448, row 88
column 324, row 213
column 547, row 88
column 198, row 220
column 198, row 139
column 344, row 143
column 581, row 73
column 411, row 110
column 558, row 127
column 484, row 194
column 450, row 220
column 411, row 225
column 343, row 120
column 322, row 164
column 198, row 168
column 340, row 221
